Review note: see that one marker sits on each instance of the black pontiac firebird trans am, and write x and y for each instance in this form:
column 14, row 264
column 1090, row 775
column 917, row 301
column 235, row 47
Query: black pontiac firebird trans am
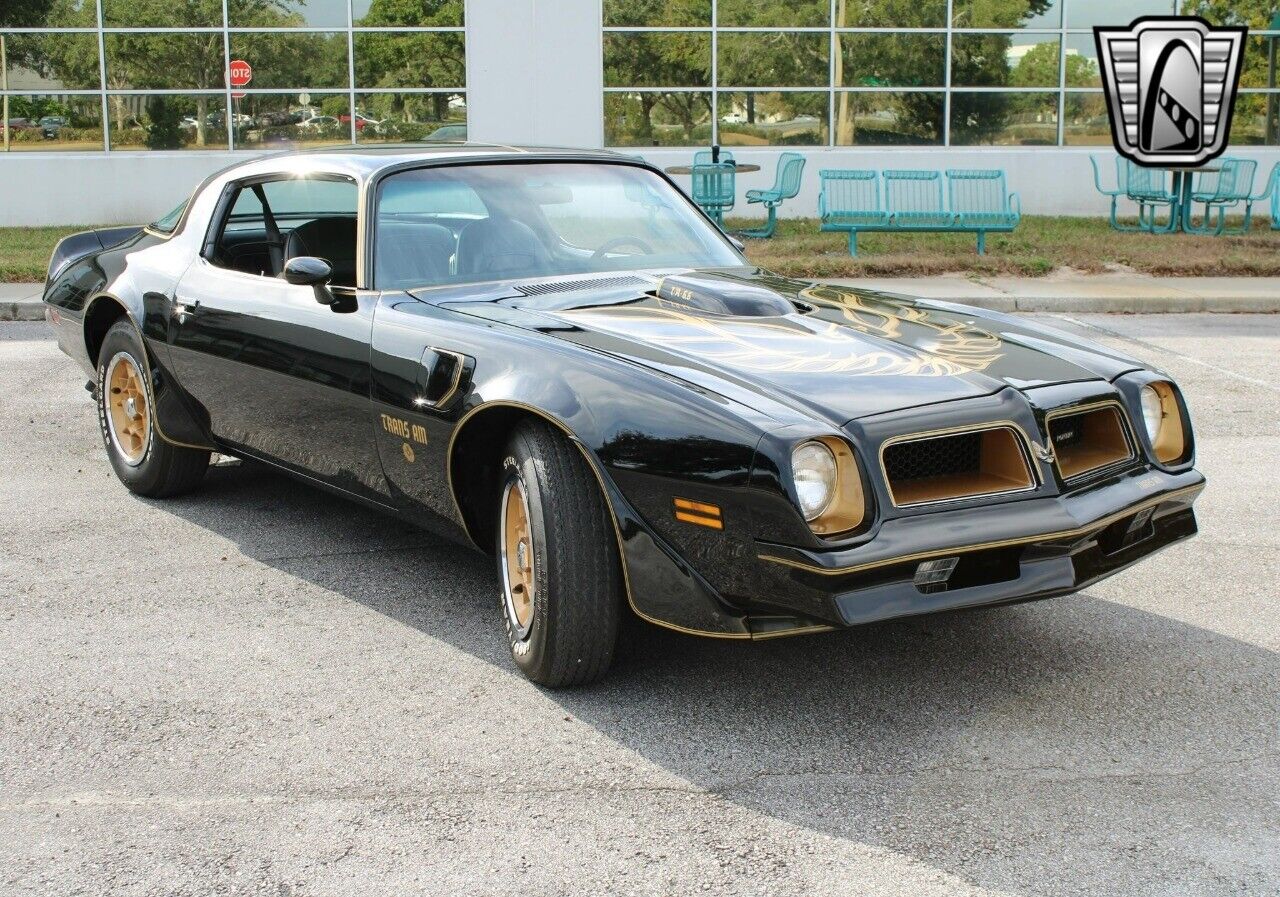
column 555, row 357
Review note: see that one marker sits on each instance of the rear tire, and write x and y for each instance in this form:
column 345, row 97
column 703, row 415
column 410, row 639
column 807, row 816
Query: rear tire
column 141, row 458
column 558, row 565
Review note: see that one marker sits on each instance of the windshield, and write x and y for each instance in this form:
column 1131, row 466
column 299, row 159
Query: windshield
column 474, row 223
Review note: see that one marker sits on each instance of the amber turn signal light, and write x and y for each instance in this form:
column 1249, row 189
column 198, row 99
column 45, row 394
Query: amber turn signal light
column 699, row 513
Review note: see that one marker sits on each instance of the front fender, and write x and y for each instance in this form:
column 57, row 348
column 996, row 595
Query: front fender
column 648, row 437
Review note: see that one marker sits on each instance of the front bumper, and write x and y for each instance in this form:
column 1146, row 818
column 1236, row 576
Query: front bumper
column 1017, row 551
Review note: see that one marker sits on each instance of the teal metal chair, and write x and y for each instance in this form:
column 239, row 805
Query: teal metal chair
column 1272, row 189
column 1136, row 184
column 714, row 187
column 786, row 185
column 1152, row 188
column 1226, row 188
column 849, row 201
column 1122, row 183
column 979, row 202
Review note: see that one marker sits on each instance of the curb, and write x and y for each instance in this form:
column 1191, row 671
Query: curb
column 22, row 310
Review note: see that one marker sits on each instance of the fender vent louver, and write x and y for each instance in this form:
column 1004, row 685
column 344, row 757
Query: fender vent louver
column 594, row 283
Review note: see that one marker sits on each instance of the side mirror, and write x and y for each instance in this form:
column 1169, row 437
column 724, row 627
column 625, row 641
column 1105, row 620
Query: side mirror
column 737, row 244
column 307, row 271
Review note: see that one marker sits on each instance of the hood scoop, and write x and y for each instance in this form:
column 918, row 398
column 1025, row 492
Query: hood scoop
column 722, row 294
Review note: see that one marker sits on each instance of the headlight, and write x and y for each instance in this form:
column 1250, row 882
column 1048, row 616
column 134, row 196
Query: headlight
column 1152, row 412
column 1163, row 420
column 828, row 485
column 814, row 468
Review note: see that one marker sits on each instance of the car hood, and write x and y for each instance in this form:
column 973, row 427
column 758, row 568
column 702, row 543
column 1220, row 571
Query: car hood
column 838, row 351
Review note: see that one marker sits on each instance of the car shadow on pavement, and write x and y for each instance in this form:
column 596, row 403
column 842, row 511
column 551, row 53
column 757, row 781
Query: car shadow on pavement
column 1071, row 746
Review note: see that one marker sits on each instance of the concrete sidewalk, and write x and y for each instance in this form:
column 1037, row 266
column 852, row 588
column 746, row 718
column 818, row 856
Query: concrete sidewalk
column 1084, row 293
column 1123, row 293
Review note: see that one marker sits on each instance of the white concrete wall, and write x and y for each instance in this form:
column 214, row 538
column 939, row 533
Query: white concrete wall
column 100, row 188
column 129, row 188
column 534, row 72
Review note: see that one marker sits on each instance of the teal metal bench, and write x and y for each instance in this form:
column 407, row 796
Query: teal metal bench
column 913, row 200
column 978, row 199
column 786, row 185
column 849, row 201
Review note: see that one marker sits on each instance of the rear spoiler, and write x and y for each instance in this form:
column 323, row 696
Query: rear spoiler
column 77, row 246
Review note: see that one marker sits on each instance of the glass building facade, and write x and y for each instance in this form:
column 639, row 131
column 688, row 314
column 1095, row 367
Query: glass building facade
column 136, row 75
column 152, row 75
column 884, row 73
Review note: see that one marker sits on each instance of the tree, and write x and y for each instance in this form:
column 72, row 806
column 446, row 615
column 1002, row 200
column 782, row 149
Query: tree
column 657, row 60
column 164, row 124
column 389, row 60
column 182, row 60
column 1038, row 67
column 24, row 13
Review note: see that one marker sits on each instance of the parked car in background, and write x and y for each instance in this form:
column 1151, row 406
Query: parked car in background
column 317, row 122
column 362, row 122
column 21, row 124
column 277, row 119
column 554, row 356
column 448, row 132
column 52, row 125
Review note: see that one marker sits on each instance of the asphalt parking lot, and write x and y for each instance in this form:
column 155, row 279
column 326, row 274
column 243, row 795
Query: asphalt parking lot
column 258, row 689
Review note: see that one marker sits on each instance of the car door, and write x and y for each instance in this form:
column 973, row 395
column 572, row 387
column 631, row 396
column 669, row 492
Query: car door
column 281, row 375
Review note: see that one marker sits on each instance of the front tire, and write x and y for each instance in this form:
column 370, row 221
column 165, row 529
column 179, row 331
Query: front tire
column 141, row 458
column 558, row 565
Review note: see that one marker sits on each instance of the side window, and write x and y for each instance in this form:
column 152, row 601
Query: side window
column 300, row 217
column 418, row 223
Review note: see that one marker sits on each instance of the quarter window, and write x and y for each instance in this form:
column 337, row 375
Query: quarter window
column 272, row 222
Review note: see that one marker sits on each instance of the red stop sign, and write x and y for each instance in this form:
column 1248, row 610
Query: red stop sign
column 239, row 73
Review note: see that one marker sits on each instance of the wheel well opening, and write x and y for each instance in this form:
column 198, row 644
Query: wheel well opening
column 476, row 464
column 101, row 315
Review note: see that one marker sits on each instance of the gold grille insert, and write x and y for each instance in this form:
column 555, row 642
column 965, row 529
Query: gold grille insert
column 1089, row 440
column 946, row 467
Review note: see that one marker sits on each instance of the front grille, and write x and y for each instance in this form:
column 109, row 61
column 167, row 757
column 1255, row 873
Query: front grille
column 1089, row 441
column 955, row 466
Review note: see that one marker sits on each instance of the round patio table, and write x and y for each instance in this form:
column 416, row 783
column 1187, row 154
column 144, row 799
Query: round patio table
column 740, row 167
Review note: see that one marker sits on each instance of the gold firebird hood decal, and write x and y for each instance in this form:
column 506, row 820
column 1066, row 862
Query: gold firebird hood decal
column 920, row 346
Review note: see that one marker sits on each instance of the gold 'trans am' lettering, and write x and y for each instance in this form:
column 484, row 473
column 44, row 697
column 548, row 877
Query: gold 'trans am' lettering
column 405, row 430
